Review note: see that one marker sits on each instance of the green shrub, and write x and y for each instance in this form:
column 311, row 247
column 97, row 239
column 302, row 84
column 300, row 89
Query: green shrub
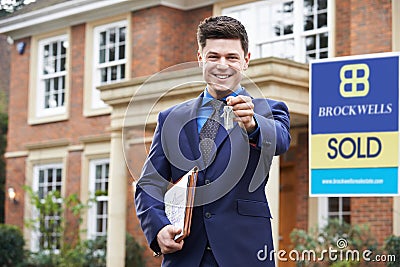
column 88, row 253
column 338, row 236
column 11, row 245
column 392, row 247
column 134, row 251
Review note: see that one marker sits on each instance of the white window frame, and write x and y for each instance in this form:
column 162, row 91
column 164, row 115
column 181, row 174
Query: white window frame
column 35, row 235
column 324, row 213
column 96, row 102
column 92, row 213
column 298, row 36
column 41, row 110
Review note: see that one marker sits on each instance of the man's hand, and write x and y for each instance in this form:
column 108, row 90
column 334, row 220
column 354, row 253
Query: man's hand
column 165, row 239
column 243, row 108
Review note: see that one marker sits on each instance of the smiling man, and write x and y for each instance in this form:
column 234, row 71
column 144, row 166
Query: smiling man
column 231, row 217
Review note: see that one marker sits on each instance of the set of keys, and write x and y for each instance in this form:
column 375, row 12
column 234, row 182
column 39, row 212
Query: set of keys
column 228, row 116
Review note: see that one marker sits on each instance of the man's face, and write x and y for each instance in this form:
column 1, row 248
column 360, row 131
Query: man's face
column 223, row 61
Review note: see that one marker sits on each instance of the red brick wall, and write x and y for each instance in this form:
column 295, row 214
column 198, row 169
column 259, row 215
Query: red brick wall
column 15, row 173
column 302, row 187
column 342, row 28
column 163, row 37
column 363, row 27
column 375, row 212
column 72, row 186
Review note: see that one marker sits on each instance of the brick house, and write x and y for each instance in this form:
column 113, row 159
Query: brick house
column 83, row 60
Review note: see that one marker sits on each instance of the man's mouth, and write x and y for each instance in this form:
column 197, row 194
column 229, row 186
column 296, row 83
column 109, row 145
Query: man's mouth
column 222, row 76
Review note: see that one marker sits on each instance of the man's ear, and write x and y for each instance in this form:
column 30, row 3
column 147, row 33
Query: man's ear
column 199, row 58
column 246, row 61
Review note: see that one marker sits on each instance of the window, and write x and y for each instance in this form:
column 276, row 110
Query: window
column 296, row 30
column 335, row 208
column 47, row 178
column 109, row 57
column 98, row 187
column 339, row 208
column 52, row 72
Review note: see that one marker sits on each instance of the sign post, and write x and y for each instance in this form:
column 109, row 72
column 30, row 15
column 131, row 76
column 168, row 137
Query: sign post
column 354, row 126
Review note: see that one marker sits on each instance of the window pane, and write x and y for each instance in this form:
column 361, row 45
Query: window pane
column 308, row 6
column 322, row 4
column 59, row 177
column 346, row 203
column 103, row 75
column 322, row 20
column 121, row 52
column 323, row 40
column 308, row 23
column 107, row 166
column 111, row 54
column 49, row 176
column 102, row 38
column 310, row 43
column 122, row 74
column 333, row 204
column 64, row 45
column 41, row 176
column 347, row 218
column 114, row 73
column 102, row 57
column 98, row 171
column 122, row 34
column 62, row 64
column 99, row 225
column 112, row 35
column 54, row 49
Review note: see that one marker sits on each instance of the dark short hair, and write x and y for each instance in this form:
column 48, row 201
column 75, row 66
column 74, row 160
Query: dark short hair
column 222, row 27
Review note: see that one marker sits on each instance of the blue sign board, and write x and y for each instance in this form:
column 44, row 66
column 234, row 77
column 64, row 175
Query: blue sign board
column 354, row 122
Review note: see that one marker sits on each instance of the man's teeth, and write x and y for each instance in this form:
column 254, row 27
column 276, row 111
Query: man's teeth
column 222, row 76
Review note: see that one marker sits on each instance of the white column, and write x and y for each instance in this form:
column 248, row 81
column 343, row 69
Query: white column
column 117, row 193
column 273, row 199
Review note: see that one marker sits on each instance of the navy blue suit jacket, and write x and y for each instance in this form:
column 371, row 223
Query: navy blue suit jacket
column 231, row 210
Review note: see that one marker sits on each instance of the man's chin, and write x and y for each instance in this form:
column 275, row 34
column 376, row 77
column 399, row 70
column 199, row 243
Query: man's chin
column 221, row 90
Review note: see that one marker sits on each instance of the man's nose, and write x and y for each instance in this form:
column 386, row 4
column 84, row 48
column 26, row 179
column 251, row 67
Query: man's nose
column 222, row 63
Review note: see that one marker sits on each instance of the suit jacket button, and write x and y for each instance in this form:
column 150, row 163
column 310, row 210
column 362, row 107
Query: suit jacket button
column 207, row 182
column 207, row 215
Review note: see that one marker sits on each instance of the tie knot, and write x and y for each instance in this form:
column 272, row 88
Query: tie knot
column 216, row 104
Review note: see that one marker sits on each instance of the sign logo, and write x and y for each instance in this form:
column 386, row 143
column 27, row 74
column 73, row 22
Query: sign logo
column 354, row 86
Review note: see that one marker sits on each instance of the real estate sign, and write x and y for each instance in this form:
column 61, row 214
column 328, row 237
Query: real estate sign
column 354, row 120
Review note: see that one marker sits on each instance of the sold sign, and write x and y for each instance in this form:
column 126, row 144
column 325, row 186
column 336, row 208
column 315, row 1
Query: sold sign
column 354, row 121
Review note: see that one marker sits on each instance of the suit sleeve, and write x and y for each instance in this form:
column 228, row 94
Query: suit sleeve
column 151, row 188
column 274, row 124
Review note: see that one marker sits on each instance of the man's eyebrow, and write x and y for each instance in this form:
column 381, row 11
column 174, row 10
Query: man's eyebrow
column 216, row 53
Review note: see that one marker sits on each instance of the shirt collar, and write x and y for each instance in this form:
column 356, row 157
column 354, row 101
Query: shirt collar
column 208, row 97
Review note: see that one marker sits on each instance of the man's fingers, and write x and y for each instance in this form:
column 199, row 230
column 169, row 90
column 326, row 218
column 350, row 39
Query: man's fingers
column 166, row 240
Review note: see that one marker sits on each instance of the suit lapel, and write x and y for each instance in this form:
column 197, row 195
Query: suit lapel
column 189, row 117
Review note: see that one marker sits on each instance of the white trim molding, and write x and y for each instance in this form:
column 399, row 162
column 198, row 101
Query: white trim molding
column 75, row 12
